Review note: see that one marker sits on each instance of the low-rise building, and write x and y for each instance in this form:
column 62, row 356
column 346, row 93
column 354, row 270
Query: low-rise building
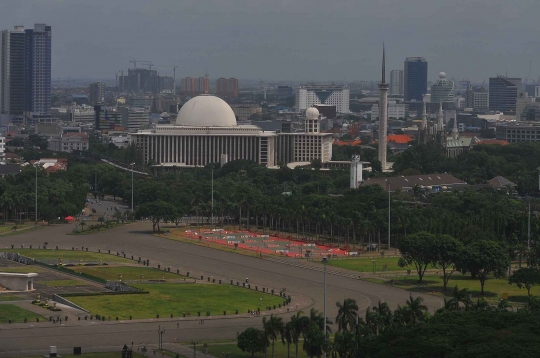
column 518, row 132
column 69, row 142
column 244, row 111
column 431, row 182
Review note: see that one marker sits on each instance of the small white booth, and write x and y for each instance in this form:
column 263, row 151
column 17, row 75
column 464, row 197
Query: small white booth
column 17, row 281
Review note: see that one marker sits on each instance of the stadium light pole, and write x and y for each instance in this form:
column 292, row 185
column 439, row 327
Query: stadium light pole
column 389, row 219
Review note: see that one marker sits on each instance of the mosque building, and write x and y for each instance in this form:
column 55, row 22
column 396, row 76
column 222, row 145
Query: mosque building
column 206, row 132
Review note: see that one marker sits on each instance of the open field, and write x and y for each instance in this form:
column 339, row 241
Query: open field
column 493, row 289
column 280, row 350
column 176, row 299
column 62, row 283
column 128, row 272
column 69, row 255
column 367, row 264
column 6, row 297
column 15, row 314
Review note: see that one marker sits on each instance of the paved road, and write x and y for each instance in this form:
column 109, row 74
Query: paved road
column 135, row 240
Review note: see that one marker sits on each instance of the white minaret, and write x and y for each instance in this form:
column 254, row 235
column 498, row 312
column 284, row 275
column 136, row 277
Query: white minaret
column 356, row 171
column 455, row 131
column 440, row 118
column 424, row 117
column 383, row 115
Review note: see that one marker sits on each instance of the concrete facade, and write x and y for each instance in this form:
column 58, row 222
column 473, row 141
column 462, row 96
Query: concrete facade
column 17, row 281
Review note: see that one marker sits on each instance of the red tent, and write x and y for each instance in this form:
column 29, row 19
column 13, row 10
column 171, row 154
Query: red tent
column 69, row 218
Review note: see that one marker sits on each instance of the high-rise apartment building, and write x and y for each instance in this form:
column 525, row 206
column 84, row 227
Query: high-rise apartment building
column 332, row 95
column 227, row 87
column 38, row 69
column 415, row 78
column 194, row 86
column 25, row 72
column 12, row 85
column 503, row 93
column 396, row 82
column 96, row 93
column 480, row 101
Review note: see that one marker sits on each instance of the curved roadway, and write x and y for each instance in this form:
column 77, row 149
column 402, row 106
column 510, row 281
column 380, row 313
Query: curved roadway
column 134, row 239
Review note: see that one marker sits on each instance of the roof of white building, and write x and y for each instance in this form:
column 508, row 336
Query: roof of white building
column 206, row 111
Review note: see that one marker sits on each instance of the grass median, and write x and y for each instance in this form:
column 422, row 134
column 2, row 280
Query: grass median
column 217, row 350
column 177, row 299
column 368, row 264
column 129, row 273
column 68, row 255
column 15, row 314
column 493, row 289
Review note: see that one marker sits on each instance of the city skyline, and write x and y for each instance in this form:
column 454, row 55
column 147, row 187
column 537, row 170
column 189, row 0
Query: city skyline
column 251, row 41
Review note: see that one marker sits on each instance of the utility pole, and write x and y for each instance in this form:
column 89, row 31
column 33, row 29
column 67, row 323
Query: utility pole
column 213, row 196
column 389, row 218
column 36, row 165
column 325, row 261
column 529, row 228
column 161, row 330
column 132, row 164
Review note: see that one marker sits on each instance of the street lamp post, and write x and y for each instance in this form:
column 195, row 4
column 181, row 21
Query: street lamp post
column 212, row 196
column 161, row 330
column 325, row 262
column 374, row 262
column 132, row 164
column 388, row 216
column 194, row 348
column 36, row 193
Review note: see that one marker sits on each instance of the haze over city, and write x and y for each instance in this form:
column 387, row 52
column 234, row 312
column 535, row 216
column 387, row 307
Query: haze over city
column 287, row 40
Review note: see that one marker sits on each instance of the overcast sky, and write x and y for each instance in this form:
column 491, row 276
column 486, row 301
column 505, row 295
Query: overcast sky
column 286, row 39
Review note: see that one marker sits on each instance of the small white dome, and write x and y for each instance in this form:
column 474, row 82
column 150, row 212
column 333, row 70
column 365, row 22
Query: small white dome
column 442, row 75
column 312, row 113
column 206, row 111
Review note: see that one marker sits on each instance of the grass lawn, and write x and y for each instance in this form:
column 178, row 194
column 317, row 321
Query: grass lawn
column 69, row 255
column 366, row 264
column 176, row 299
column 62, row 283
column 92, row 230
column 4, row 297
column 280, row 350
column 97, row 355
column 22, row 269
column 15, row 314
column 128, row 272
column 493, row 289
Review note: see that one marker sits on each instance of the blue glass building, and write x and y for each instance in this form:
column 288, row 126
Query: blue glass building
column 415, row 78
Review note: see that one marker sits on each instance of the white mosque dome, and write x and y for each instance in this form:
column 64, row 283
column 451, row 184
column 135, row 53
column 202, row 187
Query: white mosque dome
column 442, row 75
column 312, row 113
column 206, row 111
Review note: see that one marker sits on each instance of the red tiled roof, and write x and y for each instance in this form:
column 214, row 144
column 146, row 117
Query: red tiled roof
column 493, row 141
column 399, row 138
column 342, row 143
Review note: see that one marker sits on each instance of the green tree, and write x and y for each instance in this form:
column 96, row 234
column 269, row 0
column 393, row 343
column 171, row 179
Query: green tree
column 299, row 324
column 415, row 309
column 273, row 328
column 347, row 315
column 252, row 340
column 525, row 277
column 345, row 344
column 314, row 341
column 448, row 253
column 156, row 211
column 484, row 258
column 417, row 250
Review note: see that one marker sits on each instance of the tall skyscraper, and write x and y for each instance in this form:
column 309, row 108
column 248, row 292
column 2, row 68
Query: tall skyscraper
column 383, row 115
column 415, row 78
column 12, row 85
column 503, row 93
column 96, row 93
column 227, row 87
column 396, row 82
column 38, row 69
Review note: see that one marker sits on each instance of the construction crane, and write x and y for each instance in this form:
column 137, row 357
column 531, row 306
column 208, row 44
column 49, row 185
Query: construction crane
column 150, row 64
column 134, row 62
column 174, row 67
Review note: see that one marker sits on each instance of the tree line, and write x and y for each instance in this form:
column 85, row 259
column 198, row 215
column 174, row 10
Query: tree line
column 461, row 327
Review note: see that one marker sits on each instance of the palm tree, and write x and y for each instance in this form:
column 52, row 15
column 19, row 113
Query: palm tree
column 299, row 324
column 416, row 308
column 317, row 318
column 347, row 314
column 273, row 327
column 288, row 336
column 459, row 297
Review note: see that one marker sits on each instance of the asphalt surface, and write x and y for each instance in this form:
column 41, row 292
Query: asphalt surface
column 135, row 239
